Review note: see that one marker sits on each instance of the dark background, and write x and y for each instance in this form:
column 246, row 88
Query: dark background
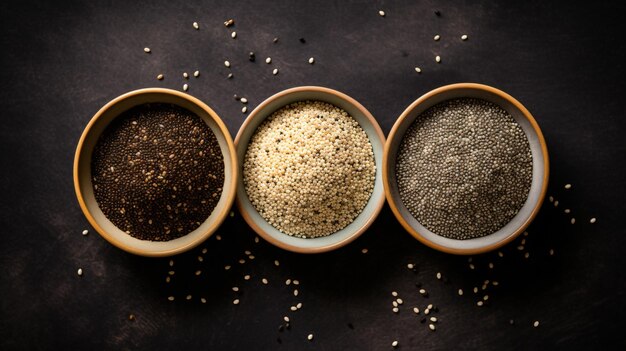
column 62, row 60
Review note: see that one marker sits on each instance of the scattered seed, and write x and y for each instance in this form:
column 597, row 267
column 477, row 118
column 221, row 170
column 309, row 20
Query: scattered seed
column 244, row 100
column 410, row 266
column 431, row 326
column 394, row 293
column 475, row 290
column 399, row 301
column 381, row 13
column 471, row 266
column 364, row 251
column 185, row 75
column 188, row 297
column 185, row 87
column 264, row 281
column 299, row 305
column 246, row 277
column 573, row 220
column 433, row 319
column 268, row 60
column 168, row 279
column 229, row 76
column 235, row 288
column 229, row 22
column 80, row 272
column 593, row 220
column 551, row 198
column 427, row 311
column 567, row 210
column 460, row 292
column 288, row 282
column 438, row 59
column 418, row 70
column 486, row 297
column 85, row 232
column 275, row 40
column 439, row 275
column 416, row 310
column 242, row 261
column 395, row 310
column 147, row 50
column 556, row 203
column 511, row 322
column 464, row 37
column 430, row 306
column 394, row 343
column 568, row 186
column 196, row 26
column 251, row 56
column 490, row 265
column 131, row 317
column 203, row 300
column 236, row 302
column 293, row 308
column 244, row 109
column 226, row 268
column 479, row 303
column 200, row 259
column 286, row 319
column 536, row 324
column 160, row 77
column 204, row 250
column 520, row 247
column 171, row 298
column 196, row 74
column 527, row 254
column 296, row 282
column 233, row 35
column 275, row 71
column 311, row 60
column 226, row 63
column 276, row 263
column 423, row 291
column 310, row 337
column 437, row 37
column 295, row 292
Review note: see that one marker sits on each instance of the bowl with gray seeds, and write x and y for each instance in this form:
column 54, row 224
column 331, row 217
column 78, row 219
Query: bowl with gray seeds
column 155, row 172
column 465, row 168
column 311, row 165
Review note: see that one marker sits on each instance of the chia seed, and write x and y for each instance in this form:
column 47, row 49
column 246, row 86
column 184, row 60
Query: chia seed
column 157, row 172
column 464, row 168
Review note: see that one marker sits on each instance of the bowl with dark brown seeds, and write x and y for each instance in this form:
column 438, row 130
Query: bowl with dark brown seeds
column 155, row 172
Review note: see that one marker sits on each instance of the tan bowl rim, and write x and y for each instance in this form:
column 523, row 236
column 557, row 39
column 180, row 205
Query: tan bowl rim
column 231, row 191
column 379, row 205
column 394, row 131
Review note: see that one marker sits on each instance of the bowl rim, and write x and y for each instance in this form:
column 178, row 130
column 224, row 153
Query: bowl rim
column 394, row 133
column 379, row 205
column 230, row 188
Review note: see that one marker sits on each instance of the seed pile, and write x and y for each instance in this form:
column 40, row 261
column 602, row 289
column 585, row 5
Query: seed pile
column 157, row 172
column 309, row 169
column 464, row 168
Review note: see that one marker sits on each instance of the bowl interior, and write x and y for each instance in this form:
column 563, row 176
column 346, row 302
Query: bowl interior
column 363, row 220
column 537, row 186
column 84, row 185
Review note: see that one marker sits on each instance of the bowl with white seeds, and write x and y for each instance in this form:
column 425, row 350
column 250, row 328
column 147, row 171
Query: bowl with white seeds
column 155, row 172
column 465, row 168
column 311, row 165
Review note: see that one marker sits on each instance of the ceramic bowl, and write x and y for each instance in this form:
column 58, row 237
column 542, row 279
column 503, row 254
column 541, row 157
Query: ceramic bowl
column 84, row 188
column 539, row 175
column 376, row 201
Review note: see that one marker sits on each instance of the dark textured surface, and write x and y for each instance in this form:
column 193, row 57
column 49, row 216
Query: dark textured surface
column 61, row 61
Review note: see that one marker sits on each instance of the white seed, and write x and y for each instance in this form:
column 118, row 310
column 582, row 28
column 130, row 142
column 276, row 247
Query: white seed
column 568, row 186
column 394, row 343
column 410, row 266
column 399, row 301
column 242, row 261
column 593, row 220
column 147, row 50
column 204, row 251
column 364, row 251
column 256, row 238
column 185, row 87
column 418, row 70
column 203, row 300
column 433, row 319
column 244, row 109
column 252, row 257
column 196, row 74
column 573, row 220
column 416, row 310
column 395, row 310
column 556, row 203
column 567, row 210
column 276, row 263
column 293, row 308
column 185, row 75
column 439, row 275
column 236, row 302
column 430, row 306
column 171, row 272
column 188, row 297
column 85, row 232
column 490, row 265
column 520, row 248
column 495, row 283
column 427, row 311
column 264, row 281
column 195, row 25
column 479, row 303
column 80, row 272
column 310, row 337
column 394, row 293
column 295, row 292
column 381, row 13
column 527, row 254
column 475, row 290
column 299, row 305
column 198, row 272
column 471, row 266
column 200, row 259
column 168, row 279
column 233, row 35
column 275, row 71
column 423, row 291
column 394, row 303
column 311, row 60
column 551, row 198
column 486, row 297
column 536, row 324
column 431, row 326
column 226, row 268
column 218, row 237
column 171, row 298
column 460, row 292
column 437, row 37
column 437, row 58
column 286, row 319
column 246, row 277
column 296, row 282
column 235, row 289
column 243, row 100
column 226, row 63
column 288, row 282
column 268, row 60
column 464, row 37
column 160, row 77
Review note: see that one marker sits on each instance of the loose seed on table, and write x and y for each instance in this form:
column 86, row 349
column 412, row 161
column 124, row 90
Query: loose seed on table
column 381, row 13
column 198, row 272
column 364, row 251
column 196, row 74
column 394, row 343
column 431, row 326
column 85, row 232
column 286, row 319
column 275, row 71
column 464, row 37
column 536, row 324
column 226, row 268
column 80, row 272
column 311, row 60
column 460, row 292
column 395, row 310
column 233, row 35
column 295, row 292
column 185, row 75
column 573, row 220
column 427, row 311
column 556, row 203
column 394, row 303
column 437, row 37
column 229, row 22
column 490, row 265
column 527, row 254
column 276, row 263
column 244, row 100
column 551, row 198
column 246, row 277
column 410, row 266
column 171, row 272
column 244, row 109
column 251, row 56
column 275, row 40
column 196, row 25
column 479, row 303
column 394, row 293
column 310, row 337
column 204, row 250
column 293, row 308
column 235, row 288
column 296, row 282
column 423, row 292
column 160, row 77
column 439, row 275
column 203, row 300
column 264, row 281
column 147, row 50
column 268, row 60
column 433, row 319
column 567, row 210
column 230, row 75
column 242, row 261
column 226, row 63
column 430, row 306
column 500, row 253
column 568, row 186
column 416, row 310
column 236, row 302
column 171, row 298
column 399, row 301
column 438, row 59
column 471, row 266
column 299, row 305
column 593, row 220
column 418, row 70
column 188, row 297
column 185, row 87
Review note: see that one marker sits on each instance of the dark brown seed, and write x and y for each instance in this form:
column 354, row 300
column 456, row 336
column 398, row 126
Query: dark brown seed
column 302, row 40
column 251, row 56
column 438, row 13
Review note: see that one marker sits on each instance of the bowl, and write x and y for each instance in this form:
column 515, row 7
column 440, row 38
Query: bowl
column 84, row 189
column 373, row 206
column 540, row 171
